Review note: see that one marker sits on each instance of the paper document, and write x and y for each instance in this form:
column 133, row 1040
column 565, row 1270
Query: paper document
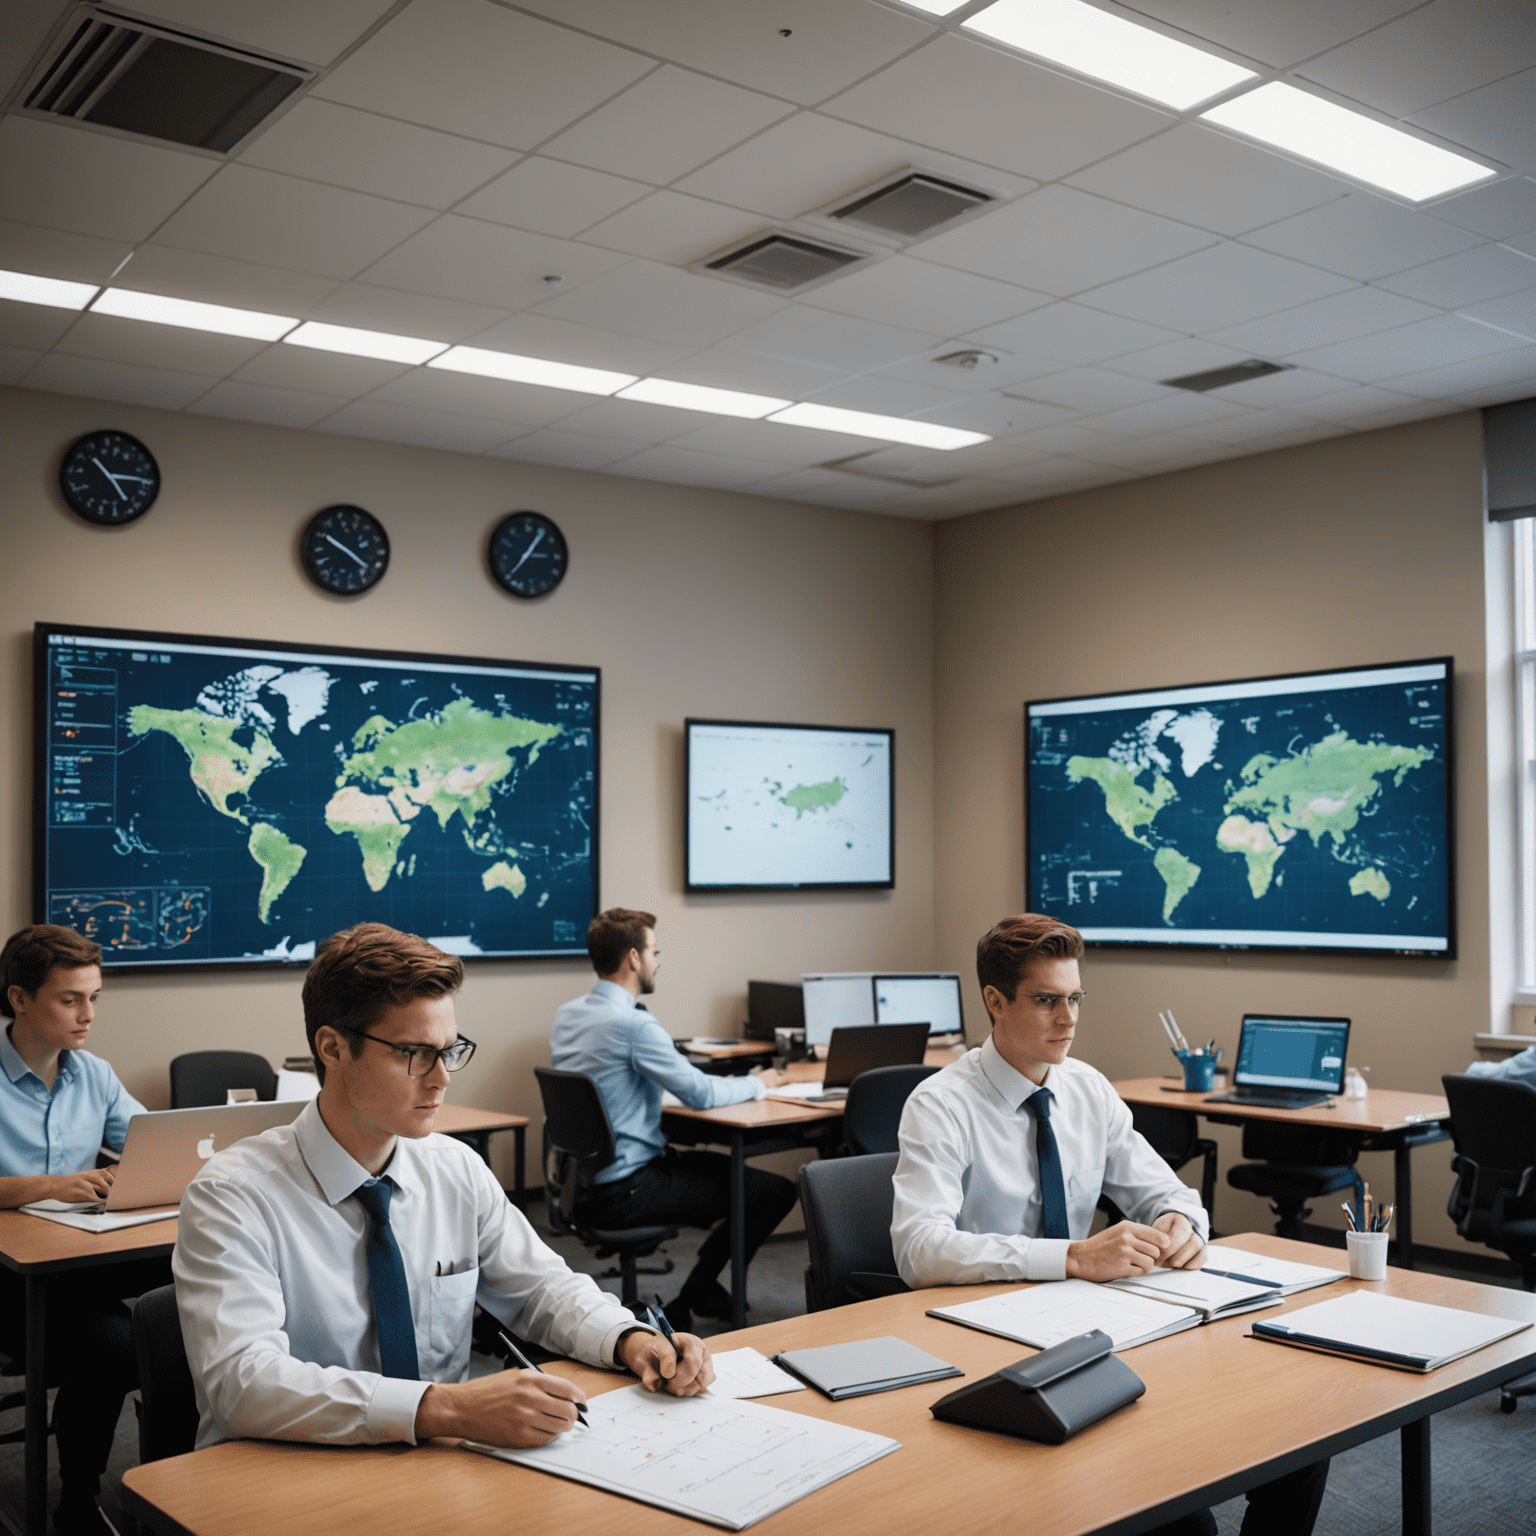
column 729, row 1463
column 799, row 1091
column 745, row 1373
column 1042, row 1315
column 89, row 1215
column 1286, row 1277
column 1202, row 1288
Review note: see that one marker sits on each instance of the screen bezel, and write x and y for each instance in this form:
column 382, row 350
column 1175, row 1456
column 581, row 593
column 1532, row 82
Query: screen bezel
column 1260, row 1019
column 40, row 638
column 694, row 889
column 1449, row 953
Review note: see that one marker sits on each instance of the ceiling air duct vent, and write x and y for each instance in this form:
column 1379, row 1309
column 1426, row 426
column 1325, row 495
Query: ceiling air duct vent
column 123, row 74
column 1219, row 378
column 783, row 261
column 913, row 205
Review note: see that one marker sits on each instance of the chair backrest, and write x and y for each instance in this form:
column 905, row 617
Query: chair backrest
column 578, row 1139
column 872, row 1113
column 205, row 1077
column 1493, row 1124
column 168, row 1426
column 1298, row 1146
column 1171, row 1133
column 847, row 1204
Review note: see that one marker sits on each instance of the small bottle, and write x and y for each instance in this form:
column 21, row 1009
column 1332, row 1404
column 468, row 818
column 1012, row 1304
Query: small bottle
column 1354, row 1082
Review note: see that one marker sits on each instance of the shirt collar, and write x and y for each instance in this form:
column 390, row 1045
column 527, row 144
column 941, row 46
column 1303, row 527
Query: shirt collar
column 16, row 1067
column 614, row 993
column 336, row 1171
column 1011, row 1086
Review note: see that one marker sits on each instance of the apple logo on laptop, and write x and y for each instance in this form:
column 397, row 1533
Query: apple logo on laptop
column 205, row 1148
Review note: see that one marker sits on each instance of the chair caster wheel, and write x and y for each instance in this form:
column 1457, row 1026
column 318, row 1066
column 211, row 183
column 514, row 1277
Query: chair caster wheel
column 1507, row 1404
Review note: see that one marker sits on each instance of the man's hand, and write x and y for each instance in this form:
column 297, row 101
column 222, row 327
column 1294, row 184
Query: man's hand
column 1185, row 1248
column 657, row 1364
column 770, row 1078
column 1127, row 1248
column 516, row 1408
column 93, row 1184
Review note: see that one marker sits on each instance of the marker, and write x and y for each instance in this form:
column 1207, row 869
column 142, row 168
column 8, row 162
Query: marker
column 528, row 1365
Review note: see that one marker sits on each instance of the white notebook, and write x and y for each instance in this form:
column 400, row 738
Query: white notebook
column 88, row 1215
column 1287, row 1278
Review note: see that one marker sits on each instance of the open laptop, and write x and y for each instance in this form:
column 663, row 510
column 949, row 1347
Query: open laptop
column 1287, row 1062
column 857, row 1049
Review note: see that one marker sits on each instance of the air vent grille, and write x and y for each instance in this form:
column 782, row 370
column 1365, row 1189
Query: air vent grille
column 779, row 261
column 1219, row 378
column 913, row 205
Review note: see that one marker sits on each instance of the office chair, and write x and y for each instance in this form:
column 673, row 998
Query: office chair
column 1298, row 1163
column 167, row 1404
column 847, row 1203
column 205, row 1077
column 578, row 1144
column 1493, row 1126
column 872, row 1110
column 1174, row 1135
column 18, row 1399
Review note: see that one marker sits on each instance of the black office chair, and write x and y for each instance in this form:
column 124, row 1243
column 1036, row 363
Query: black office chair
column 1298, row 1163
column 205, row 1077
column 578, row 1145
column 872, row 1110
column 167, row 1403
column 1493, row 1125
column 847, row 1203
column 1174, row 1134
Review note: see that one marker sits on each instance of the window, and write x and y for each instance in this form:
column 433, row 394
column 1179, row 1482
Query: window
column 1525, row 747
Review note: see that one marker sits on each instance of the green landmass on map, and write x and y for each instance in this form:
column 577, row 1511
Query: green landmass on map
column 813, row 797
column 1257, row 844
column 1127, row 803
column 372, row 821
column 502, row 876
column 221, row 766
column 279, row 858
column 1179, row 875
column 1370, row 882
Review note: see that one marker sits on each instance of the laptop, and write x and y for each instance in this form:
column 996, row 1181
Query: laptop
column 861, row 1047
column 1287, row 1061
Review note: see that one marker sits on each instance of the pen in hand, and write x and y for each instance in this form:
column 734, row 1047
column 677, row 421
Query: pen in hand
column 528, row 1365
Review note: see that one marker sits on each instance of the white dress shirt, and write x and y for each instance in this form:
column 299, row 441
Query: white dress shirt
column 968, row 1179
column 276, row 1306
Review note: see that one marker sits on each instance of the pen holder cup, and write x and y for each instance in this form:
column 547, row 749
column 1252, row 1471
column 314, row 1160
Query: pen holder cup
column 1199, row 1070
column 1367, row 1255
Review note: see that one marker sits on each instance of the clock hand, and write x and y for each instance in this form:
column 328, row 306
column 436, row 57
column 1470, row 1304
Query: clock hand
column 110, row 476
column 516, row 568
column 343, row 548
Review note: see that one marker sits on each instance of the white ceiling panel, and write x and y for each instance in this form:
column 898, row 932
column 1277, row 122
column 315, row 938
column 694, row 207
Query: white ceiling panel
column 634, row 420
column 1175, row 411
column 1409, row 348
column 1068, row 438
column 33, row 325
column 1356, row 312
column 885, row 396
column 26, row 29
column 1174, row 359
column 779, row 444
column 455, row 431
column 667, row 226
column 902, row 291
column 279, row 221
column 645, row 299
column 98, row 379
column 1364, row 237
column 437, row 389
column 14, row 363
column 1506, row 207
column 322, row 141
column 564, row 341
column 754, row 374
column 573, row 450
column 1061, row 241
column 1526, row 243
column 551, row 198
column 260, row 402
column 221, row 280
column 999, row 415
column 1272, row 33
column 666, row 125
column 158, row 346
column 1012, row 372
column 681, row 466
column 290, row 29
column 995, row 109
column 57, row 253
column 1516, row 312
column 1164, row 452
column 1293, row 386
column 405, row 314
column 1070, row 333
column 1480, row 380
column 92, row 183
column 307, row 371
column 1089, row 389
column 1353, row 405
column 828, row 341
column 1252, row 427
column 1469, row 277
column 1496, row 121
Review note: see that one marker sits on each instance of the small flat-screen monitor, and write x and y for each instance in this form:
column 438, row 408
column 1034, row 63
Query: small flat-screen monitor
column 910, row 999
column 836, row 1000
column 775, row 807
column 1282, row 1051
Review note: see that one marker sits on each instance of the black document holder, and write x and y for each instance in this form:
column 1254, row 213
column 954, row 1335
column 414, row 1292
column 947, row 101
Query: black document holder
column 1049, row 1396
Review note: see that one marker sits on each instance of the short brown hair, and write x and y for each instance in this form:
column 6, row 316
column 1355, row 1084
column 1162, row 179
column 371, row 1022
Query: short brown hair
column 32, row 954
column 1006, row 948
column 358, row 973
column 612, row 934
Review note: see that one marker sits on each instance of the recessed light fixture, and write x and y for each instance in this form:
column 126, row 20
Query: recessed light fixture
column 891, row 429
column 52, row 291
column 970, row 360
column 1108, row 48
column 1233, row 373
column 191, row 315
column 1346, row 141
column 379, row 344
column 699, row 397
column 532, row 370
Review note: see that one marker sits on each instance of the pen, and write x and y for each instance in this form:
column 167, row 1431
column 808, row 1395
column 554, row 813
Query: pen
column 666, row 1328
column 528, row 1365
column 1349, row 1215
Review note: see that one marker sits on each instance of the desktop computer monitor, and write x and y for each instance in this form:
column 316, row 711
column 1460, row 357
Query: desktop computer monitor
column 773, row 1005
column 933, row 1000
column 836, row 1000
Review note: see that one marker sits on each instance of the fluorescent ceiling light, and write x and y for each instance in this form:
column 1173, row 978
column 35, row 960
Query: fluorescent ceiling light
column 1093, row 42
column 191, row 315
column 891, row 429
column 698, row 397
column 51, row 291
column 380, row 344
column 531, row 370
column 1346, row 141
column 935, row 7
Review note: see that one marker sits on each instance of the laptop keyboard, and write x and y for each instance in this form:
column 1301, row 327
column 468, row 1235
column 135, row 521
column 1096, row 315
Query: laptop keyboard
column 1269, row 1100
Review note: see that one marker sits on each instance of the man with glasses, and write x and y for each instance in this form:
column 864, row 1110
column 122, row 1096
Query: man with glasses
column 327, row 1271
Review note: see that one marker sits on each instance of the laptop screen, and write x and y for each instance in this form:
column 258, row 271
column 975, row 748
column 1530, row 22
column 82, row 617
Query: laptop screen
column 931, row 1000
column 1279, row 1052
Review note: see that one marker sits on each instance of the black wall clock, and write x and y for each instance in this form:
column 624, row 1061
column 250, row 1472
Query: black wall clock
column 527, row 554
column 345, row 549
column 109, row 477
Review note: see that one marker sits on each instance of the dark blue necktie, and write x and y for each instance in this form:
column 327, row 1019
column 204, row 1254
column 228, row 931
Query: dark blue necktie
column 386, row 1277
column 1053, row 1194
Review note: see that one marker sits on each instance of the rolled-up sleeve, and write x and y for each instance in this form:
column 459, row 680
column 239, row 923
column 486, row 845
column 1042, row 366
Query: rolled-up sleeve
column 654, row 1053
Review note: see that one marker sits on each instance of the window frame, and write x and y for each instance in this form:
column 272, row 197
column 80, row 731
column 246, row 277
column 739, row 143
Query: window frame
column 1525, row 754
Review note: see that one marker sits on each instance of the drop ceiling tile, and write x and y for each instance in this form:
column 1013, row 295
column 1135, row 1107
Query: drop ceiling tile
column 1071, row 334
column 1454, row 282
column 92, row 183
column 322, row 141
column 804, row 335
column 1514, row 312
column 1090, row 389
column 290, row 29
column 971, row 100
column 635, row 420
column 666, row 125
column 436, row 389
column 1356, row 312
column 482, row 71
column 1012, row 371
column 572, row 450
column 679, row 466
column 998, row 415
column 458, row 258
column 33, row 325
column 14, row 363
column 373, row 308
column 1174, row 359
column 1270, row 33
column 643, row 298
column 986, row 459
column 1055, row 477
column 1526, row 243
column 280, row 221
column 56, row 253
column 1254, row 427
column 221, row 280
column 563, row 341
column 551, row 198
column 1487, row 380
column 1068, row 438
column 1161, row 453
column 306, row 371
column 885, row 396
column 1215, row 287
column 1351, row 405
column 1496, row 121
column 666, row 226
column 158, row 346
column 1061, row 241
column 903, row 291
column 1409, row 349
column 1504, row 208
column 1364, row 237
column 240, row 401
column 1179, row 411
column 98, row 379
column 455, row 431
column 1292, row 387
column 1206, row 178
column 27, row 26
column 753, row 374
column 777, row 444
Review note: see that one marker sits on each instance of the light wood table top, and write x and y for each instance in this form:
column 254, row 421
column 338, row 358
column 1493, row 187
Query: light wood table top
column 454, row 1119
column 1219, row 1405
column 30, row 1242
column 1383, row 1109
column 727, row 1052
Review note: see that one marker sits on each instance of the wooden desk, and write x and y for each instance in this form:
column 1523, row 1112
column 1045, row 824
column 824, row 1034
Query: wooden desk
column 1384, row 1121
column 35, row 1249
column 477, row 1126
column 1222, row 1413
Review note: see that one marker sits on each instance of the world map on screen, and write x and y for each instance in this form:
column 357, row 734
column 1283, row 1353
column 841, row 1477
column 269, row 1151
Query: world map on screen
column 213, row 803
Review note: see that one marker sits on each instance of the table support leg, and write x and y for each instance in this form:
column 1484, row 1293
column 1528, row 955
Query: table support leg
column 738, row 1219
column 35, row 1460
column 1416, row 1510
column 520, row 1167
column 1402, row 1162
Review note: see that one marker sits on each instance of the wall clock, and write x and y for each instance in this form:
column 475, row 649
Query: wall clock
column 109, row 477
column 527, row 554
column 345, row 549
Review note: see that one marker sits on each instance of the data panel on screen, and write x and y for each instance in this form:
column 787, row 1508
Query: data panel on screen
column 1306, row 812
column 224, row 802
column 788, row 806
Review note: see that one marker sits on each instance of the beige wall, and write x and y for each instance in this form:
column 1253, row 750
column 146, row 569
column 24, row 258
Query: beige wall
column 1359, row 549
column 691, row 601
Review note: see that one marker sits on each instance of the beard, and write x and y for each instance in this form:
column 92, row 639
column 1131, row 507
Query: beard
column 647, row 983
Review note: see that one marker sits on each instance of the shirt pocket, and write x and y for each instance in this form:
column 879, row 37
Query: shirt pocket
column 1085, row 1186
column 452, row 1312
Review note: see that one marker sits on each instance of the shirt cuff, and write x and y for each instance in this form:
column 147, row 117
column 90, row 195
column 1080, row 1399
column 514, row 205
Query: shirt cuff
column 610, row 1345
column 759, row 1088
column 1047, row 1258
column 392, row 1409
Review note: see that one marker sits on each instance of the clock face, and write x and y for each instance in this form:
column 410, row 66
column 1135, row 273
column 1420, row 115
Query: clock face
column 345, row 549
column 527, row 554
column 109, row 477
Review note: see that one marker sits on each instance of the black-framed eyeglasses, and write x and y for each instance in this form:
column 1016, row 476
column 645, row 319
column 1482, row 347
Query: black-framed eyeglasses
column 421, row 1059
column 1048, row 1000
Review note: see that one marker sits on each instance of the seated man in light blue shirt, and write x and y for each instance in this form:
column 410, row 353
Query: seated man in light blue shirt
column 610, row 1035
column 1516, row 1069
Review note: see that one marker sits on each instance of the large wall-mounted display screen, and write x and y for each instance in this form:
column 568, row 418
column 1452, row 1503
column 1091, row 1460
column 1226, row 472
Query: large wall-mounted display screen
column 231, row 802
column 1306, row 812
column 789, row 806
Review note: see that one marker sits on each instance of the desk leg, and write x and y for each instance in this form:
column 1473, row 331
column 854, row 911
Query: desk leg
column 1416, row 1510
column 35, row 1461
column 519, row 1167
column 738, row 1231
column 1402, row 1161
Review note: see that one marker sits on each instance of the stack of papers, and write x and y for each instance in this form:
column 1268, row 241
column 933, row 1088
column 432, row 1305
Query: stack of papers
column 1211, row 1294
column 745, row 1373
column 866, row 1366
column 93, row 1216
column 1285, row 1277
column 806, row 1091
